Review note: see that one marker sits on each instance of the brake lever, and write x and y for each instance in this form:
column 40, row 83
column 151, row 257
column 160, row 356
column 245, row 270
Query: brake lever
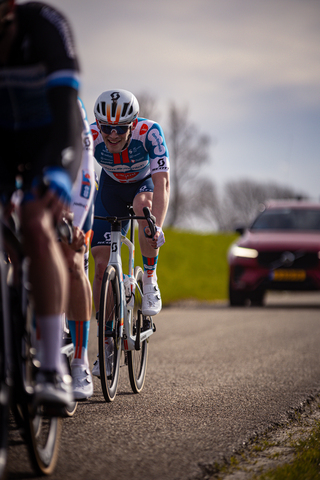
column 151, row 219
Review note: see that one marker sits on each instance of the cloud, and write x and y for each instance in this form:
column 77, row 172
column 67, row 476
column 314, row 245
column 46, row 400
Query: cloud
column 248, row 70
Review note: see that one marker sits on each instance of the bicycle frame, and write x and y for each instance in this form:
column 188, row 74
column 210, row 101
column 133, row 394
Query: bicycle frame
column 129, row 341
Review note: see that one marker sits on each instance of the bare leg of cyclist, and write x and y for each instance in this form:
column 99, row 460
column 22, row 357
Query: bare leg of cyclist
column 48, row 276
column 79, row 314
column 151, row 302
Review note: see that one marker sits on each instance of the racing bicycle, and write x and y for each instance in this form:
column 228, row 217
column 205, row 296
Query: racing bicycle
column 122, row 326
column 18, row 359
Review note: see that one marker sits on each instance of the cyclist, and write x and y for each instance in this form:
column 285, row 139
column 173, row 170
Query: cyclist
column 135, row 169
column 40, row 137
column 77, row 254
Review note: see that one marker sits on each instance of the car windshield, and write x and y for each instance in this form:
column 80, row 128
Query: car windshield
column 288, row 219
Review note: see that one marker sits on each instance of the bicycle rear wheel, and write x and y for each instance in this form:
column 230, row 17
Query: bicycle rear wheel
column 137, row 359
column 109, row 331
column 43, row 432
column 4, row 400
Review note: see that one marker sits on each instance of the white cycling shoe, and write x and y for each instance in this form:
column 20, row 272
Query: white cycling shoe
column 81, row 382
column 54, row 391
column 109, row 362
column 151, row 301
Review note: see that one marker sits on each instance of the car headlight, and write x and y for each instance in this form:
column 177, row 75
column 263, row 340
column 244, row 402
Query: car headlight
column 244, row 252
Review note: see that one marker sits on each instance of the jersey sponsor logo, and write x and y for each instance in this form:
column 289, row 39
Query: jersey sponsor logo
column 85, row 185
column 143, row 129
column 157, row 142
column 125, row 177
column 95, row 134
column 87, row 142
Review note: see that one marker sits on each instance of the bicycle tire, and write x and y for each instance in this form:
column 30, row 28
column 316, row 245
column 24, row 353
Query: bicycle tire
column 43, row 432
column 4, row 403
column 70, row 410
column 138, row 359
column 109, row 327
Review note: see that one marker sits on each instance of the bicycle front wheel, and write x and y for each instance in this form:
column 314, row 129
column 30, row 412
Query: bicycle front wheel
column 109, row 333
column 137, row 359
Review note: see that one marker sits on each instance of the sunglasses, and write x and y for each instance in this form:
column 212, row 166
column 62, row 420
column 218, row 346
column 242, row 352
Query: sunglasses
column 120, row 129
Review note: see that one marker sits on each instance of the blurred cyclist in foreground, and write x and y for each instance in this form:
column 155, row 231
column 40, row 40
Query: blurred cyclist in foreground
column 40, row 137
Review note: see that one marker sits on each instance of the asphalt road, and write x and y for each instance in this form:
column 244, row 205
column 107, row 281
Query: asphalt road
column 216, row 377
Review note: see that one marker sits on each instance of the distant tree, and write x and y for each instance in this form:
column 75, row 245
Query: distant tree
column 240, row 201
column 189, row 152
column 148, row 106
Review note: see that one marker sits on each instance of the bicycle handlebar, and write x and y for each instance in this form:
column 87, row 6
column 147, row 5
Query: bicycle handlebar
column 147, row 216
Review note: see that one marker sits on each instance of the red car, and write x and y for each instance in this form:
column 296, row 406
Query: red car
column 280, row 251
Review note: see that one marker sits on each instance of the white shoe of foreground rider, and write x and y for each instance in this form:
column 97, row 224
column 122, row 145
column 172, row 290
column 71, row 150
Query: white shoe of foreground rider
column 53, row 390
column 109, row 362
column 81, row 382
column 151, row 301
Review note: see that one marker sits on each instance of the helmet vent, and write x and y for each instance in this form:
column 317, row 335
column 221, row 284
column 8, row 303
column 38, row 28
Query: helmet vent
column 124, row 109
column 103, row 108
column 113, row 108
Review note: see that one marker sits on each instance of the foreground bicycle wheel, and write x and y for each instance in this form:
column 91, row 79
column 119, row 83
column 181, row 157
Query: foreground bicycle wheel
column 137, row 359
column 4, row 403
column 42, row 432
column 109, row 330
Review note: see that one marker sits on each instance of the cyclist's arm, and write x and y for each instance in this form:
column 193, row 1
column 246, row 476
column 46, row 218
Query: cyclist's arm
column 161, row 195
column 65, row 146
column 54, row 47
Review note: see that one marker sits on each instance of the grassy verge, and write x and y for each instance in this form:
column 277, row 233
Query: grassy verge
column 288, row 452
column 191, row 266
column 305, row 465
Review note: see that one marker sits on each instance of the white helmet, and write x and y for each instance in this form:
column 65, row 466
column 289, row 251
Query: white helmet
column 116, row 107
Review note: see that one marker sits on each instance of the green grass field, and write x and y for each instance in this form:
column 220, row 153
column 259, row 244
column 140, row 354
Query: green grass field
column 191, row 266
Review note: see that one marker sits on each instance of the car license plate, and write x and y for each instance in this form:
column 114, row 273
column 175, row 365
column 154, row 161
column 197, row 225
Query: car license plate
column 289, row 275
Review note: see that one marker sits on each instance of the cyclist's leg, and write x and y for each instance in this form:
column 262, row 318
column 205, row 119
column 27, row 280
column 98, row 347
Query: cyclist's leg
column 48, row 276
column 79, row 314
column 80, row 301
column 112, row 199
column 151, row 302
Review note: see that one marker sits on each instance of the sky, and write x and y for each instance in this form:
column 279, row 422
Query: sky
column 247, row 70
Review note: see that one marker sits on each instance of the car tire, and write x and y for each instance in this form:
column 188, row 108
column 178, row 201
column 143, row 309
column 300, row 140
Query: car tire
column 257, row 298
column 236, row 299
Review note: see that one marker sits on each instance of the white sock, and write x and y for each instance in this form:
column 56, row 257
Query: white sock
column 148, row 279
column 50, row 343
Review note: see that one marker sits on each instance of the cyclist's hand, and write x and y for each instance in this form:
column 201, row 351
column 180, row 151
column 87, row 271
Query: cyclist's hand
column 58, row 181
column 78, row 240
column 158, row 240
column 53, row 190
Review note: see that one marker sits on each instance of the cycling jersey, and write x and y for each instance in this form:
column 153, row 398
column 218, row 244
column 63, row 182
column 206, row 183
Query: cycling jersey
column 84, row 188
column 146, row 154
column 40, row 123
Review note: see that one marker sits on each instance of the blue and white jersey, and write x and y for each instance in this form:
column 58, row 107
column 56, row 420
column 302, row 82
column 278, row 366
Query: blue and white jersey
column 83, row 190
column 146, row 154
